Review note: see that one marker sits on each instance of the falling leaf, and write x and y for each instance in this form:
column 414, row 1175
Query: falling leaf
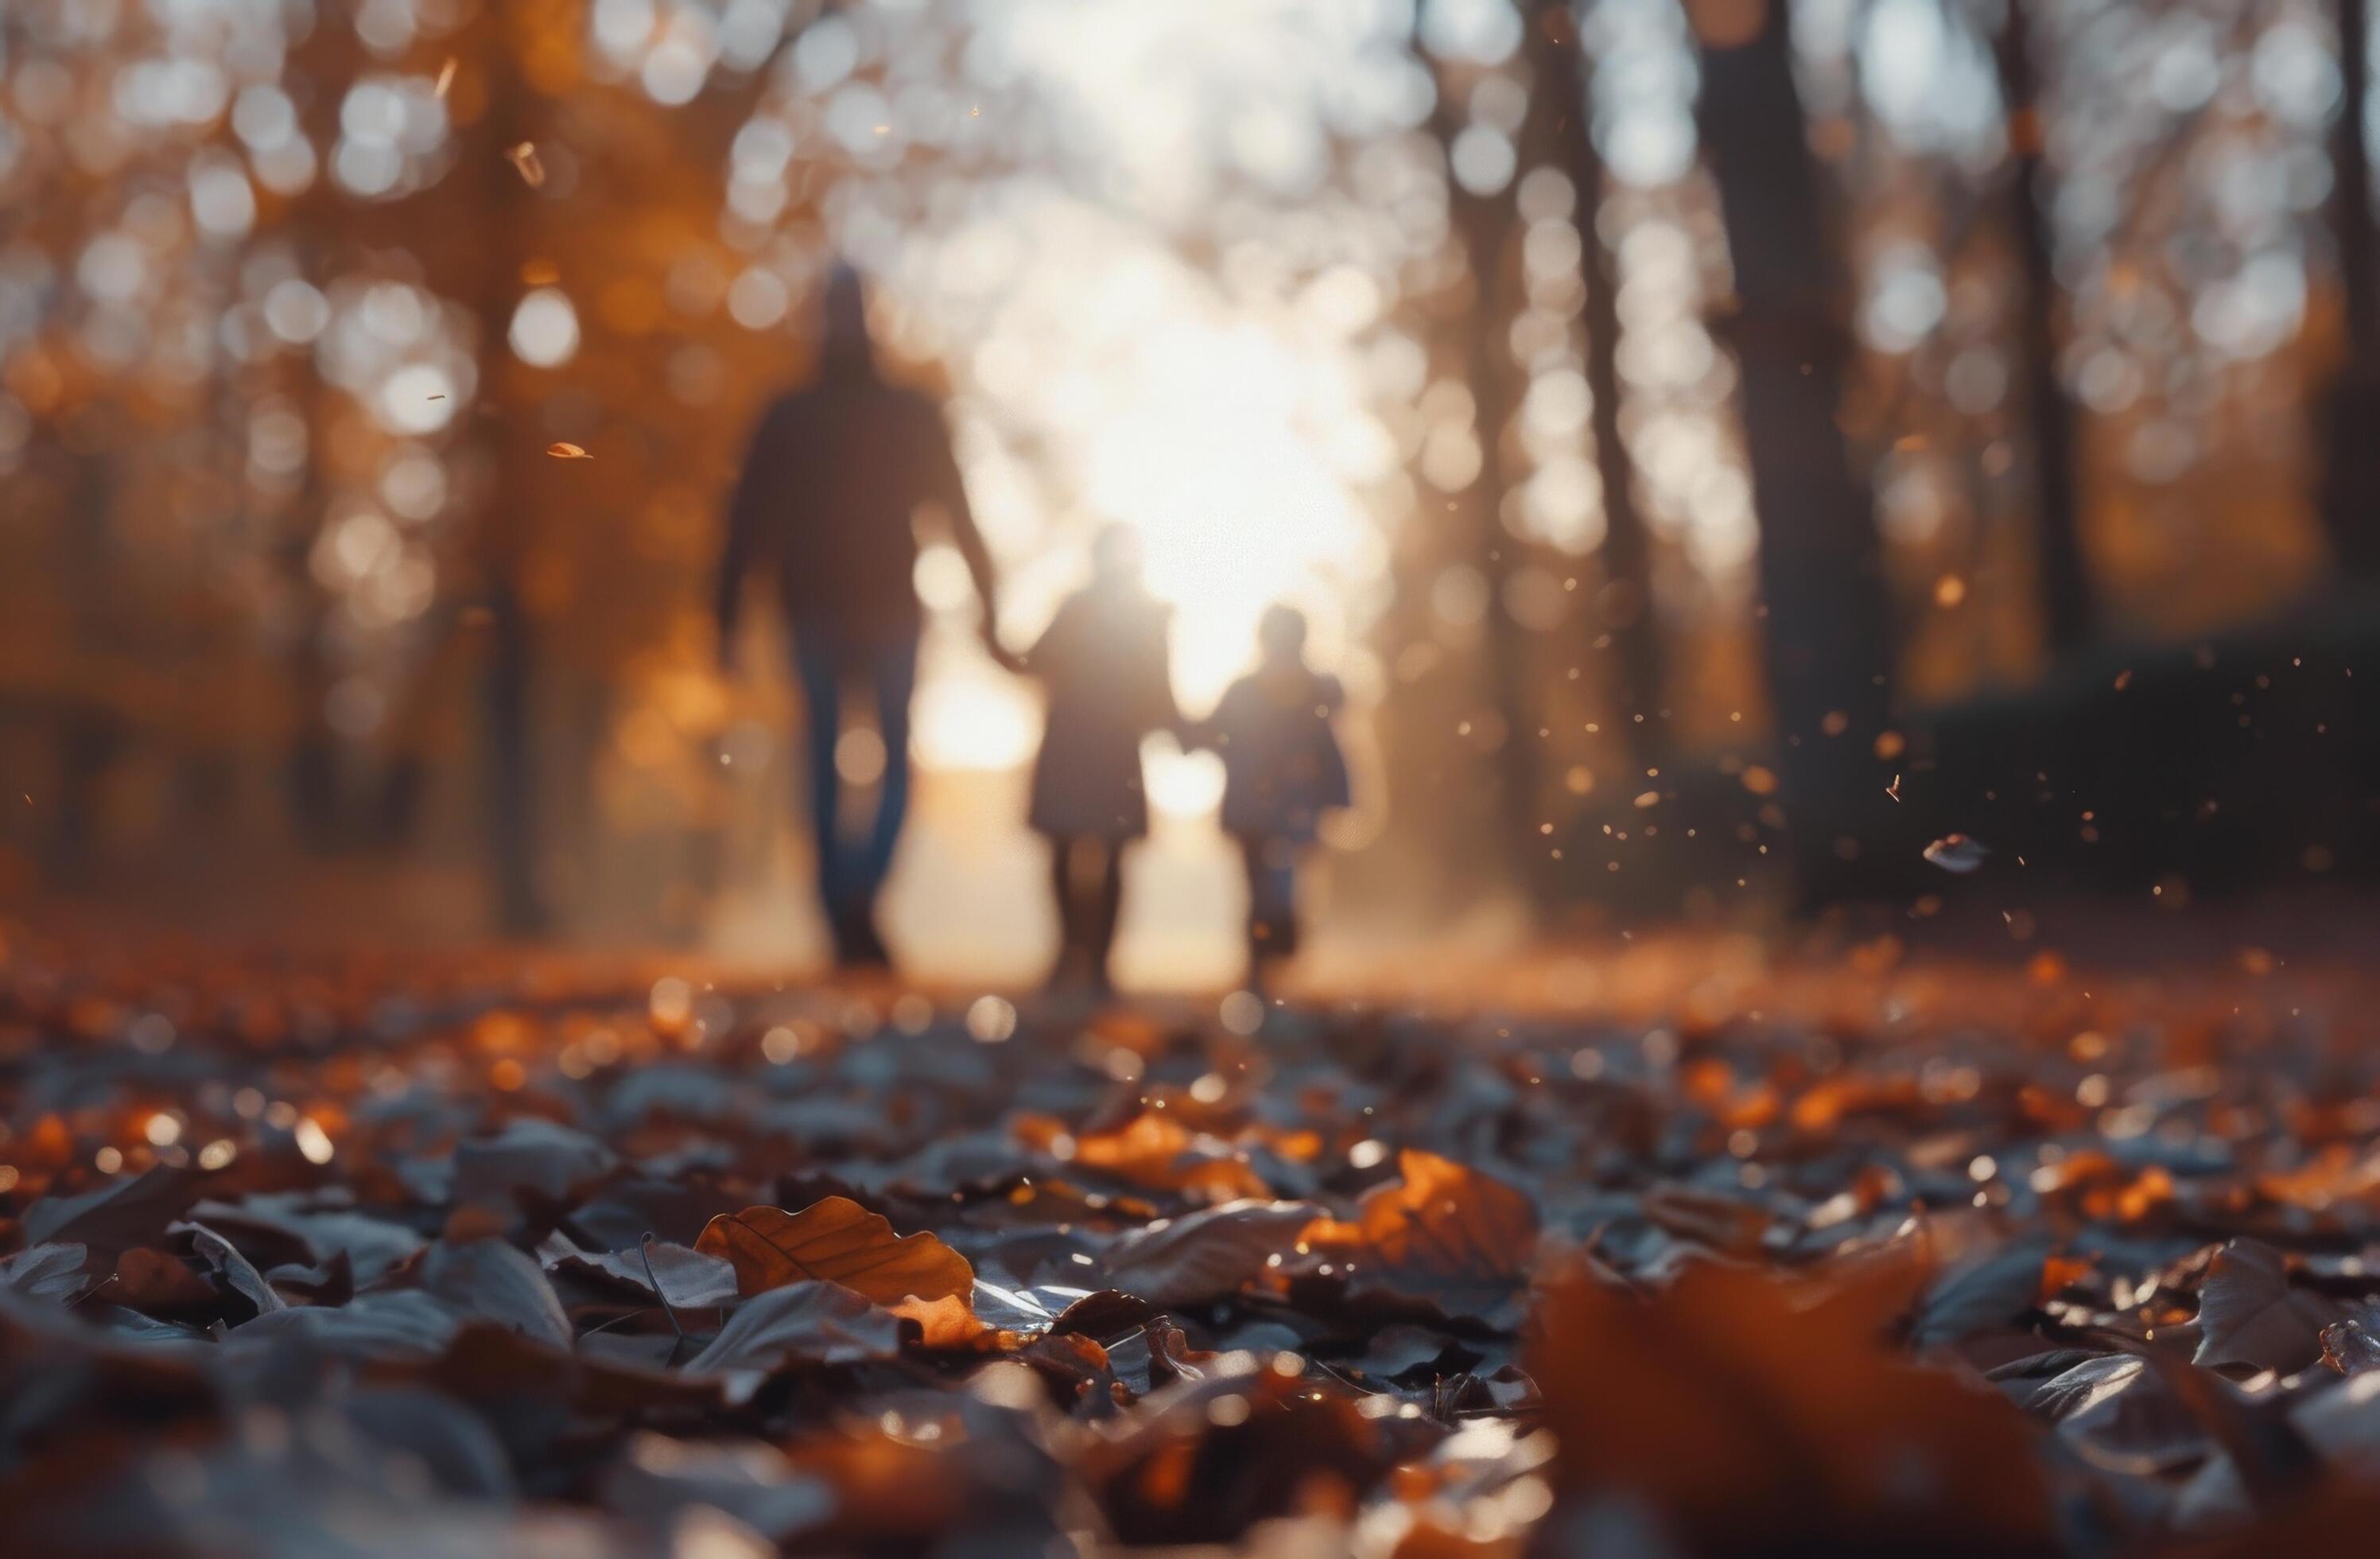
column 524, row 158
column 445, row 78
column 1893, row 789
column 564, row 451
column 1957, row 853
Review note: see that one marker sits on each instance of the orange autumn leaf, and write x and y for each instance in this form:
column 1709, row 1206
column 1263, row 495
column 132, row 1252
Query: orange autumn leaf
column 1444, row 1232
column 524, row 158
column 839, row 1241
column 563, row 451
column 1751, row 1420
column 1156, row 1150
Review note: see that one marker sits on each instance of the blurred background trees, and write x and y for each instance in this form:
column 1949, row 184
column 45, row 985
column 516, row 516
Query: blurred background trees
column 1681, row 419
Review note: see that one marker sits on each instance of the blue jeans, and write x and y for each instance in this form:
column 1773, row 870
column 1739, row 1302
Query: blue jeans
column 830, row 660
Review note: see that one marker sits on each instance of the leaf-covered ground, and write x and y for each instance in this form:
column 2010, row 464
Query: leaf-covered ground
column 385, row 1257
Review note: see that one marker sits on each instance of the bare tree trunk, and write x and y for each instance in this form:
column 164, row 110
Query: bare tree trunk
column 90, row 735
column 2351, row 488
column 1626, row 605
column 507, row 694
column 2068, row 608
column 1484, row 224
column 1820, row 570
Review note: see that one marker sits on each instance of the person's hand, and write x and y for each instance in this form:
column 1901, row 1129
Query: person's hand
column 1002, row 656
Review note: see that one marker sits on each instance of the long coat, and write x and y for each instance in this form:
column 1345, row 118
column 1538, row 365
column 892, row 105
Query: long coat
column 1103, row 660
column 1283, row 766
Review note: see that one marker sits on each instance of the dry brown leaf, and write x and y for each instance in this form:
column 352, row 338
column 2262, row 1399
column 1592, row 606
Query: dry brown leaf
column 562, row 451
column 1755, row 1421
column 839, row 1241
column 1445, row 1232
column 1153, row 1149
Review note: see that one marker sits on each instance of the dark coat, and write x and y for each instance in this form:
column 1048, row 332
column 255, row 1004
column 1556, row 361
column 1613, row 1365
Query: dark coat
column 1104, row 663
column 835, row 472
column 1283, row 766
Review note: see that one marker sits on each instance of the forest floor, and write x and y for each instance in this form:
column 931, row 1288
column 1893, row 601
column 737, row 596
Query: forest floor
column 1686, row 1247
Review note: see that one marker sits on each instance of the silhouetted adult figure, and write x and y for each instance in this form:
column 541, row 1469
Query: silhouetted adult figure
column 838, row 473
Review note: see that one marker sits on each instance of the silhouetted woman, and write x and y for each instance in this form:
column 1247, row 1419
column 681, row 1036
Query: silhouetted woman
column 1104, row 665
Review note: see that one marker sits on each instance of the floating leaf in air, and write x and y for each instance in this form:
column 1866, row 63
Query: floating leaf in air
column 524, row 158
column 1957, row 853
column 562, row 450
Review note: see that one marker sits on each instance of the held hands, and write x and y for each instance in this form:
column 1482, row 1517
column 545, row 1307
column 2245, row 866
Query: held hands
column 1002, row 656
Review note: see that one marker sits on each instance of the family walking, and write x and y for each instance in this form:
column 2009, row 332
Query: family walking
column 840, row 472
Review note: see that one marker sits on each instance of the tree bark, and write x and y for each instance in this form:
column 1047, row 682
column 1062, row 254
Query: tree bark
column 1483, row 224
column 1820, row 564
column 1626, row 608
column 508, row 685
column 2350, row 486
column 2069, row 607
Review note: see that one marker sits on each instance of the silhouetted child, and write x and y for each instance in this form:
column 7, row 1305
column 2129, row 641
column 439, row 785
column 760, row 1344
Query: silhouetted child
column 1282, row 770
column 1103, row 661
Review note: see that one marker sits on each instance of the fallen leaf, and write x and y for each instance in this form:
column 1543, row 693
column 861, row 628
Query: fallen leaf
column 836, row 1240
column 2249, row 1316
column 802, row 1322
column 1206, row 1255
column 45, row 1271
column 1752, row 1422
column 492, row 1280
column 1443, row 1232
column 233, row 1269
